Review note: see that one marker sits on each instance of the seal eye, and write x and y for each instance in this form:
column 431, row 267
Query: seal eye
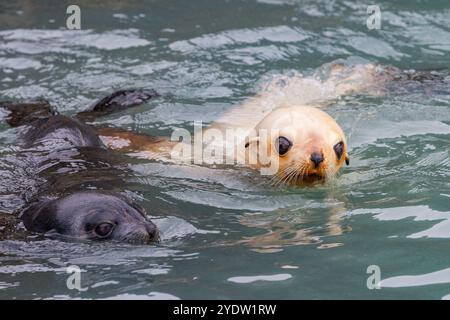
column 104, row 229
column 339, row 149
column 283, row 145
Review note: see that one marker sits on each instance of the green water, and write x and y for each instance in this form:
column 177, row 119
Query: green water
column 227, row 234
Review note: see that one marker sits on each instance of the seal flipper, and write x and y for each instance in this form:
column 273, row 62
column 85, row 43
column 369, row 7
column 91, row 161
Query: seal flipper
column 116, row 102
column 28, row 112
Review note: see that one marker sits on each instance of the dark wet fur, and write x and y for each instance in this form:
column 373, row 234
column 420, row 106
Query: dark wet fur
column 118, row 101
column 9, row 227
column 76, row 132
column 72, row 161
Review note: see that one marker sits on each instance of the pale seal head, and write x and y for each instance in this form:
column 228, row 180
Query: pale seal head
column 306, row 143
column 92, row 216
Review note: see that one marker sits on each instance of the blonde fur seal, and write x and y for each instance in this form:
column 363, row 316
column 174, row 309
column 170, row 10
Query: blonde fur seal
column 304, row 142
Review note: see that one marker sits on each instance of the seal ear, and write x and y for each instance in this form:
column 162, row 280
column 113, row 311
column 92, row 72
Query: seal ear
column 347, row 159
column 38, row 217
column 248, row 141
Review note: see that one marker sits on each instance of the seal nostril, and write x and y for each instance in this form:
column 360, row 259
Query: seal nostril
column 316, row 158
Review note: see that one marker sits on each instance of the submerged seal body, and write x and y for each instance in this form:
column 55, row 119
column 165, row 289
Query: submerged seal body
column 79, row 190
column 283, row 131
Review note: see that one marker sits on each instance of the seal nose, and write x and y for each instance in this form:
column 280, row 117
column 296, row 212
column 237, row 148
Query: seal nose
column 316, row 158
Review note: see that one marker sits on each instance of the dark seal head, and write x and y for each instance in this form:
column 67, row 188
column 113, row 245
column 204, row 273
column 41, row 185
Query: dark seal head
column 93, row 216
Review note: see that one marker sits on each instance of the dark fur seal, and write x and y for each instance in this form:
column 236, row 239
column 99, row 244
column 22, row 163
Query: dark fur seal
column 79, row 191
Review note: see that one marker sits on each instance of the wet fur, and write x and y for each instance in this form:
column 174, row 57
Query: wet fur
column 57, row 144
